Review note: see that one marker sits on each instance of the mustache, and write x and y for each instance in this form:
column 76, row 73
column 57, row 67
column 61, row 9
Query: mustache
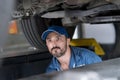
column 55, row 48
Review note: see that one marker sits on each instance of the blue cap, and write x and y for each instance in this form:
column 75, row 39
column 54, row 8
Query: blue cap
column 58, row 29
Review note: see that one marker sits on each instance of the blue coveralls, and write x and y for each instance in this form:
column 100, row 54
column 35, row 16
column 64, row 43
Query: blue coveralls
column 79, row 57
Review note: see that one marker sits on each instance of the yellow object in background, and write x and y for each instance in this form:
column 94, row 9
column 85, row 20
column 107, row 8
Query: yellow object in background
column 87, row 42
column 13, row 27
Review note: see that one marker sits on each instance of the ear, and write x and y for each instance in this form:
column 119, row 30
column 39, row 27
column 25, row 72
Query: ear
column 68, row 41
column 45, row 42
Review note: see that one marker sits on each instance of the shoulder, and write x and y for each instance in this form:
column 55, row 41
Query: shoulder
column 82, row 51
column 87, row 55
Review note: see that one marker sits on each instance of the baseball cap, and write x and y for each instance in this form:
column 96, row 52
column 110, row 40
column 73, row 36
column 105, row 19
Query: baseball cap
column 58, row 29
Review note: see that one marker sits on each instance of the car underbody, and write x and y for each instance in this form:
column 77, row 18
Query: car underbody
column 92, row 11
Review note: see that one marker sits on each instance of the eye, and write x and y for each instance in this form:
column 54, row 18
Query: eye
column 48, row 40
column 57, row 38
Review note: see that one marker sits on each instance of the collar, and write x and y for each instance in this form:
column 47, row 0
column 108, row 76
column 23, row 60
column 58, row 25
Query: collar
column 71, row 63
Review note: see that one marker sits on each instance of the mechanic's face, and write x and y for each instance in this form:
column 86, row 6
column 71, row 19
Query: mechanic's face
column 57, row 44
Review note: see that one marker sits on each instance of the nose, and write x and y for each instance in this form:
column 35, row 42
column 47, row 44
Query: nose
column 54, row 43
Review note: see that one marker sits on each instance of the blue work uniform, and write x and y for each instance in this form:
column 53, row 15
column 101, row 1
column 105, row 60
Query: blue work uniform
column 79, row 57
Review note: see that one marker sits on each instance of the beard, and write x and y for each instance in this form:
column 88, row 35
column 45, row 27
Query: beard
column 58, row 52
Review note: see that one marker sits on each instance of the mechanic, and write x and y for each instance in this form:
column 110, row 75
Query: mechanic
column 65, row 56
